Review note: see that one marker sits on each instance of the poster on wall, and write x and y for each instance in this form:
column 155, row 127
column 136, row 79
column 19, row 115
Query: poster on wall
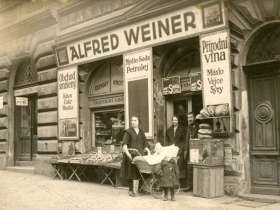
column 192, row 82
column 216, row 69
column 171, row 85
column 68, row 106
column 138, row 77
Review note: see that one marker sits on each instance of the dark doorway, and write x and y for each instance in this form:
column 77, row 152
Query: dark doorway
column 26, row 129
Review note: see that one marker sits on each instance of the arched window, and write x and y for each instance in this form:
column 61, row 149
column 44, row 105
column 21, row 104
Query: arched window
column 26, row 74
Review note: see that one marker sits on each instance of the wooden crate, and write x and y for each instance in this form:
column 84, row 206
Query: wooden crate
column 208, row 181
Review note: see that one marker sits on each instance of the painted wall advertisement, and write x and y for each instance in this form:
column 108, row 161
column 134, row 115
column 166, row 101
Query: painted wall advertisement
column 216, row 69
column 68, row 106
column 138, row 77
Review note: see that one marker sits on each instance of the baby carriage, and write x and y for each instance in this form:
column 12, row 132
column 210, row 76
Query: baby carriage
column 148, row 167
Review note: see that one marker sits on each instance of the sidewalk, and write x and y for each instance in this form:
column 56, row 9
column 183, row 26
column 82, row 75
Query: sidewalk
column 31, row 192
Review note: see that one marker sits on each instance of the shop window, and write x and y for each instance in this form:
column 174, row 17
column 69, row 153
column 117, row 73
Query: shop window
column 109, row 126
column 107, row 79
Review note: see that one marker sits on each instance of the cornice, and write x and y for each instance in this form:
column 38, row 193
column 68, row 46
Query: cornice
column 123, row 20
column 41, row 20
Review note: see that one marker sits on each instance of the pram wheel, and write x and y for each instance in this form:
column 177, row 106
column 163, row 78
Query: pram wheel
column 156, row 190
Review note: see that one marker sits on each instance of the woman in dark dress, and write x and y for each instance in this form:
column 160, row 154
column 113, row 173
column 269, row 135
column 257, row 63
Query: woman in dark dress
column 176, row 134
column 134, row 138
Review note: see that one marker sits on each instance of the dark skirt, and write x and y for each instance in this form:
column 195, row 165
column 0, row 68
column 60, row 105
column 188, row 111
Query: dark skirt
column 128, row 170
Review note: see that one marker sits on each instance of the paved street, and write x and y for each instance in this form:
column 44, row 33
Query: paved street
column 21, row 191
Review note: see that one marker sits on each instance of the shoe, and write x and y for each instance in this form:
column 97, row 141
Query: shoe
column 132, row 194
column 165, row 198
column 173, row 199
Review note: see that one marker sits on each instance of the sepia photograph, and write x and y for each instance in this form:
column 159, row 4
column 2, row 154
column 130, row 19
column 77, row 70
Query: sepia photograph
column 139, row 105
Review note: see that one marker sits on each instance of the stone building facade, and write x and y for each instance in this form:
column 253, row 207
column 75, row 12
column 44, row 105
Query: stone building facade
column 34, row 32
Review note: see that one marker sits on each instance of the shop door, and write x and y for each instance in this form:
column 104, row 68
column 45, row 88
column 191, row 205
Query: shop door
column 26, row 129
column 264, row 132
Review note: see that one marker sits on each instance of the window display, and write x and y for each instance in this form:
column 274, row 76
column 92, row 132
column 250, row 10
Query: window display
column 109, row 127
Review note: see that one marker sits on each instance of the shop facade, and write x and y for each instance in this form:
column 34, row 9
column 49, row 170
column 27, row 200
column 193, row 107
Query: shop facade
column 136, row 58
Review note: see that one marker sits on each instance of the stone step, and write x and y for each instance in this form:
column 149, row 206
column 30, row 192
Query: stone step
column 21, row 169
column 25, row 163
column 260, row 197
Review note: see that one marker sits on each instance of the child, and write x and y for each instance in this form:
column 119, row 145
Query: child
column 169, row 177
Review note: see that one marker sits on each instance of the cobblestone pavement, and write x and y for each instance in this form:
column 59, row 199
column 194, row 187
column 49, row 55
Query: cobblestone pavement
column 19, row 191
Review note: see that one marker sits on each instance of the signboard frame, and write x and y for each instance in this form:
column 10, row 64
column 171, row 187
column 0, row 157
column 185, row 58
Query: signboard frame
column 117, row 43
column 76, row 100
column 149, row 76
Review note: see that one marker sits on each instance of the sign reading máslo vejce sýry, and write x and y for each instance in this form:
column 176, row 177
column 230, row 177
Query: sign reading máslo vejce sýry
column 138, row 77
column 173, row 25
column 68, row 104
column 216, row 69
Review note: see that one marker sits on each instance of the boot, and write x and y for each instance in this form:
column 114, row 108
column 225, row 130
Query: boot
column 165, row 196
column 135, row 186
column 172, row 194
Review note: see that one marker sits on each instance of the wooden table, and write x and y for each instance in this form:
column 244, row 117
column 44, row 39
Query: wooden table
column 76, row 171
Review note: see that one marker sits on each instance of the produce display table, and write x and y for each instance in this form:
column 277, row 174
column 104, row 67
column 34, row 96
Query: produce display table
column 76, row 171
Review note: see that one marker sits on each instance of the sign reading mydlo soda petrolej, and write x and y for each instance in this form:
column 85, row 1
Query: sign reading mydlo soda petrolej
column 216, row 69
column 68, row 104
column 138, row 77
column 174, row 25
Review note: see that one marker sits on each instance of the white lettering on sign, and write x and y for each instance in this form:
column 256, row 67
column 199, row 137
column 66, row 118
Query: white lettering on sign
column 173, row 25
column 216, row 69
column 68, row 106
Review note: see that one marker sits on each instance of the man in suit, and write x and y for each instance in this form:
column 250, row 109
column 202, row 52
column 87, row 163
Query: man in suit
column 176, row 134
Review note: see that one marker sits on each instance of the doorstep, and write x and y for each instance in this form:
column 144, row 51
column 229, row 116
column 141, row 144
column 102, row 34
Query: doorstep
column 21, row 169
column 260, row 197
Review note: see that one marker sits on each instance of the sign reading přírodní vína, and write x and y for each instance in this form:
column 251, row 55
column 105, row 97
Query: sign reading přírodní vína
column 216, row 69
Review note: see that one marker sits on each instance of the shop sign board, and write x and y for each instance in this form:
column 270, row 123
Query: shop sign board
column 175, row 25
column 68, row 104
column 21, row 101
column 108, row 101
column 1, row 102
column 138, row 77
column 171, row 85
column 192, row 82
column 216, row 68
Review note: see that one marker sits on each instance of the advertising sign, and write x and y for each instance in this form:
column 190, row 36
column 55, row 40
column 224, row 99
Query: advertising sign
column 216, row 69
column 1, row 102
column 21, row 101
column 68, row 106
column 171, row 85
column 138, row 77
column 173, row 25
column 192, row 82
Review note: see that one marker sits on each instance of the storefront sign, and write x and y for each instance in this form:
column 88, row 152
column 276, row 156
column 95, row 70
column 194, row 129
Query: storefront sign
column 171, row 85
column 1, row 102
column 173, row 25
column 192, row 82
column 138, row 75
column 68, row 106
column 108, row 101
column 21, row 101
column 216, row 69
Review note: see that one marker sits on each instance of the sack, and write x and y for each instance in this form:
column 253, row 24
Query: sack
column 205, row 131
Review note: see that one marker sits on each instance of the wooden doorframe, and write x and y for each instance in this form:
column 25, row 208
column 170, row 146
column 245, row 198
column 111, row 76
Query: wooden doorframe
column 260, row 70
column 32, row 98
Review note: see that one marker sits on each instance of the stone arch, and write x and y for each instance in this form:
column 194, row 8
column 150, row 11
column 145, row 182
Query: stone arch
column 177, row 53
